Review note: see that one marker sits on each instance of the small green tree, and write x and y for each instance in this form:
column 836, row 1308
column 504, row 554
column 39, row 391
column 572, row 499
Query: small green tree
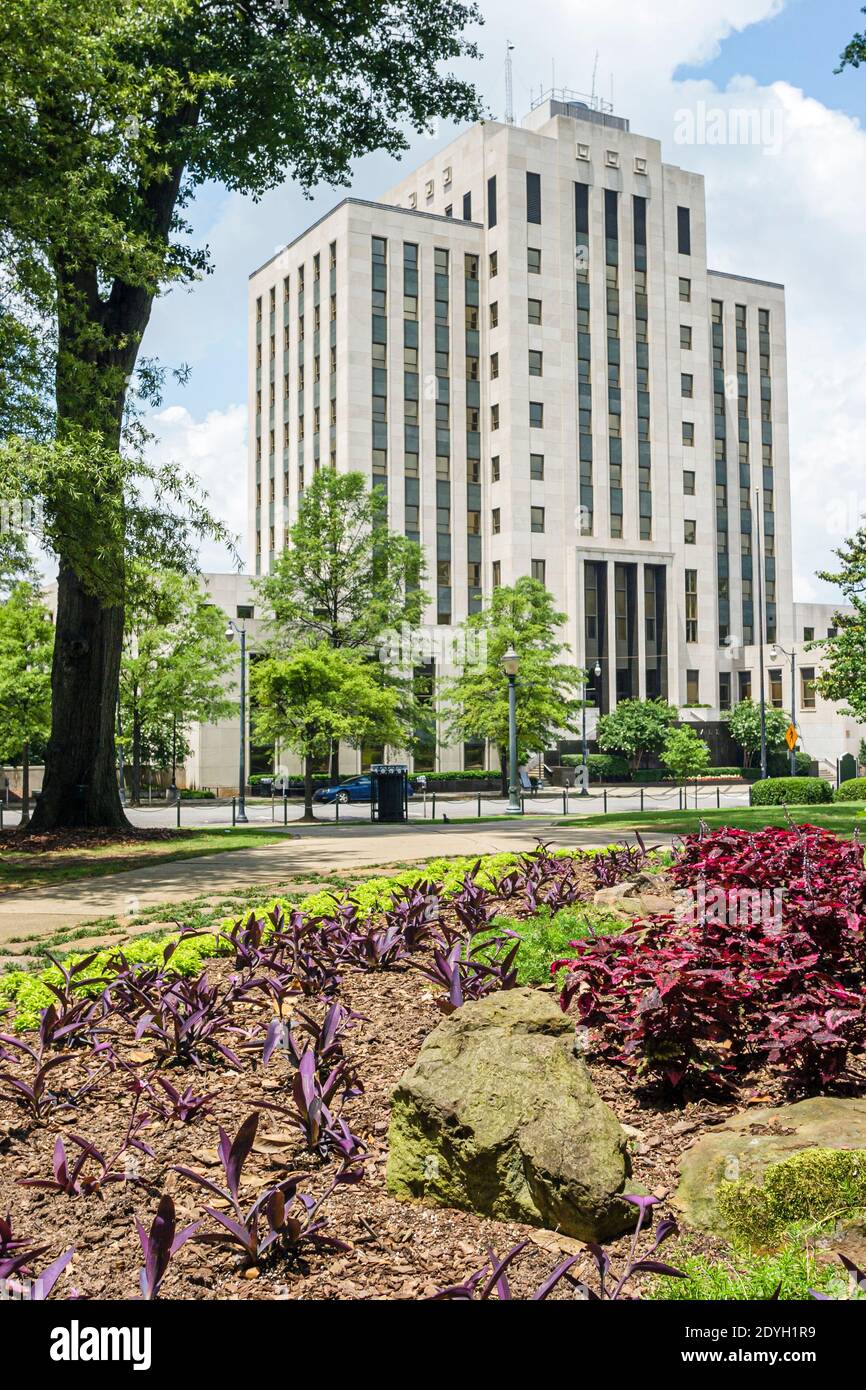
column 344, row 579
column 635, row 728
column 314, row 696
column 843, row 674
column 176, row 659
column 685, row 754
column 475, row 703
column 26, row 646
column 744, row 723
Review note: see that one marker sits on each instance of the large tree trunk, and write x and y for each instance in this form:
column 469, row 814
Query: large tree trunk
column 335, row 760
column 80, row 785
column 99, row 336
column 25, row 786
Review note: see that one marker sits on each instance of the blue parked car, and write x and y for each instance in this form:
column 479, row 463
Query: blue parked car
column 350, row 789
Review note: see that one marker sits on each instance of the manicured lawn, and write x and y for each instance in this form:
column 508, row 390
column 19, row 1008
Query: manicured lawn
column 841, row 818
column 29, row 866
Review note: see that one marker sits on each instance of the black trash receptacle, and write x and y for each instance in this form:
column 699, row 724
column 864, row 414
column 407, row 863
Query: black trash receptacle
column 389, row 792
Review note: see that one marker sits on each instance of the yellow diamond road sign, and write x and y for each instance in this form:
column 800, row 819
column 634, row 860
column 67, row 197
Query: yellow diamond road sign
column 791, row 737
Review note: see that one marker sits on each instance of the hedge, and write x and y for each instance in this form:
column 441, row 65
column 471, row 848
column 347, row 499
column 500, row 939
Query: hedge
column 791, row 791
column 602, row 766
column 852, row 790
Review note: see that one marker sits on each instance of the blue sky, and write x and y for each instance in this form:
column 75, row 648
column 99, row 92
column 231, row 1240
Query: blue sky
column 796, row 216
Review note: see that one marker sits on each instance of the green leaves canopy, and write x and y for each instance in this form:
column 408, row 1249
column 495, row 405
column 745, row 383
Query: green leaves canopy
column 26, row 645
column 315, row 696
column 684, row 753
column 636, row 728
column 744, row 722
column 843, row 676
column 475, row 703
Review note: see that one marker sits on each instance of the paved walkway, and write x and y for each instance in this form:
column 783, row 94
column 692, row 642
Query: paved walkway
column 41, row 911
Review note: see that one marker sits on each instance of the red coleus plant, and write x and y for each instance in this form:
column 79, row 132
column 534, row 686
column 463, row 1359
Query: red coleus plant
column 766, row 963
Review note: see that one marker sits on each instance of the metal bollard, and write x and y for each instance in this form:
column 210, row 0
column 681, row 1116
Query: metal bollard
column 234, row 810
column 285, row 806
column 564, row 801
column 641, row 798
column 434, row 806
column 605, row 801
column 336, row 810
column 718, row 798
column 479, row 805
column 178, row 810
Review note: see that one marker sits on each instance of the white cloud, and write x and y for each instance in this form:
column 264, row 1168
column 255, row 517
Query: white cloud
column 795, row 215
column 215, row 450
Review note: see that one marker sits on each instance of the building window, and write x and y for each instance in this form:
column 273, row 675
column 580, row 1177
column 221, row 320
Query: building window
column 494, row 468
column 491, row 201
column 686, row 336
column 775, row 676
column 534, row 310
column 497, row 574
column 685, row 290
column 688, row 482
column 536, row 362
column 494, row 263
column 693, row 687
column 536, row 415
column 744, row 681
column 691, row 605
column 494, row 417
column 684, row 232
column 690, row 529
column 724, row 690
column 494, row 365
column 807, row 687
column 496, row 521
column 689, row 433
column 536, row 520
column 536, row 467
column 533, row 198
column 533, row 260
column 808, row 634
column 494, row 314
column 687, row 384
column 537, row 570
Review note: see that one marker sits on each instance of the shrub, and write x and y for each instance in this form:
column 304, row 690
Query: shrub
column 791, row 791
column 197, row 794
column 769, row 965
column 852, row 790
column 603, row 767
column 809, row 1186
column 779, row 763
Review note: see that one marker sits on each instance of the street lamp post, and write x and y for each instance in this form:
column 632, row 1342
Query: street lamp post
column 242, row 768
column 584, row 791
column 775, row 652
column 510, row 663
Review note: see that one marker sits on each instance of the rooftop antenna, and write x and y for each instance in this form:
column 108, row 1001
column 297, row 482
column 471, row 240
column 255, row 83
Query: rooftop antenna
column 509, row 89
column 594, row 75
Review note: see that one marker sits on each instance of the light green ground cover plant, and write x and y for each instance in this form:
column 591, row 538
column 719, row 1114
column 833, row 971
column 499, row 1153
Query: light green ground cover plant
column 743, row 1275
column 814, row 1185
column 26, row 993
column 547, row 935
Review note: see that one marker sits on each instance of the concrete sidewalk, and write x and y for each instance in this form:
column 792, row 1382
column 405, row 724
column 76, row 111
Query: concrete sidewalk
column 41, row 911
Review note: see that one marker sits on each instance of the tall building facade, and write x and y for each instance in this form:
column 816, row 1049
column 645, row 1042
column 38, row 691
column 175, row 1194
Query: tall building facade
column 523, row 345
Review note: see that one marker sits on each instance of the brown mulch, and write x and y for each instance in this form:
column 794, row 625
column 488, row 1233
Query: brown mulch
column 398, row 1250
column 53, row 841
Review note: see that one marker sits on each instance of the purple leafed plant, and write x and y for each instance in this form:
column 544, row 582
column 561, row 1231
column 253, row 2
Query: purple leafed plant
column 71, row 1179
column 34, row 1094
column 188, row 1021
column 618, row 863
column 492, row 1278
column 312, row 1098
column 325, row 1038
column 464, row 977
column 183, row 1105
column 159, row 1245
column 37, row 1288
column 281, row 1218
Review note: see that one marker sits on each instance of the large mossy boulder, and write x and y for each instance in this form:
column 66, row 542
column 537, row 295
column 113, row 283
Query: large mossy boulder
column 499, row 1116
column 766, row 1168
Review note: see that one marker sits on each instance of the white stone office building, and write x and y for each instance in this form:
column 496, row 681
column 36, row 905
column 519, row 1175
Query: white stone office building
column 523, row 344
